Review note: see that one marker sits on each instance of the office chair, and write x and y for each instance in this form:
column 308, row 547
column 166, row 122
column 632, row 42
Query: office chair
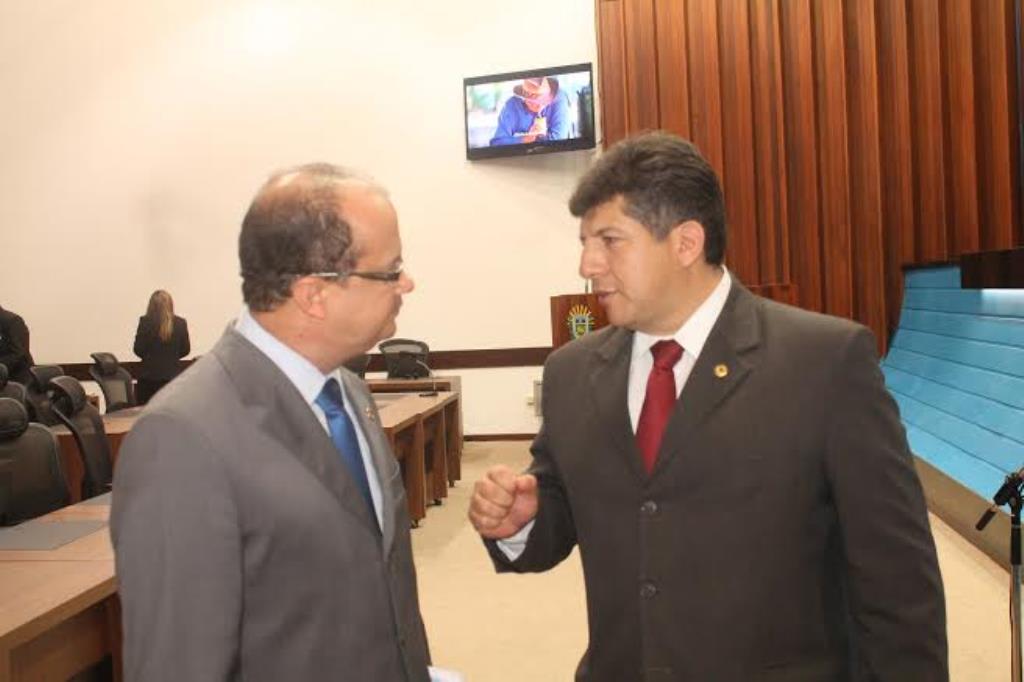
column 114, row 380
column 10, row 389
column 86, row 426
column 33, row 481
column 37, row 394
column 405, row 358
column 358, row 365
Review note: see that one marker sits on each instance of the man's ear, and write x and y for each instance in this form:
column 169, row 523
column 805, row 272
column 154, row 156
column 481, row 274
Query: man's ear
column 688, row 242
column 309, row 293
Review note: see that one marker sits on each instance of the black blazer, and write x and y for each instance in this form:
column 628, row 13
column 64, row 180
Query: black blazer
column 160, row 358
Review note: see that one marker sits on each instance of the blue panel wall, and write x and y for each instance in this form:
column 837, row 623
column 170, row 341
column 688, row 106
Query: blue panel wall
column 956, row 369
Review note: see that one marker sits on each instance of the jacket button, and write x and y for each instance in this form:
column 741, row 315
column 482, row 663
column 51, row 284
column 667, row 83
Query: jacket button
column 648, row 590
column 649, row 508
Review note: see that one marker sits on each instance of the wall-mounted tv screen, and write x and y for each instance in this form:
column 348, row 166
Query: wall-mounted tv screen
column 530, row 112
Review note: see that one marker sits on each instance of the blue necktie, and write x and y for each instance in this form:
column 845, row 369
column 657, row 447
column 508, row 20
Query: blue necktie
column 343, row 433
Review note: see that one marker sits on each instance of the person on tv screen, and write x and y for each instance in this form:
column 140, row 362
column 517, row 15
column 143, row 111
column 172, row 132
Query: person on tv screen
column 538, row 112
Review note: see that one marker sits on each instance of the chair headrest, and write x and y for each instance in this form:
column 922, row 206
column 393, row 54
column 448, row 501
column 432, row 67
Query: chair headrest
column 4, row 374
column 68, row 395
column 106, row 363
column 404, row 346
column 358, row 364
column 405, row 358
column 13, row 419
column 42, row 374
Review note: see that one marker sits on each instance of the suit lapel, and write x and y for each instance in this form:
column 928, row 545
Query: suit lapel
column 609, row 378
column 723, row 364
column 283, row 415
column 380, row 451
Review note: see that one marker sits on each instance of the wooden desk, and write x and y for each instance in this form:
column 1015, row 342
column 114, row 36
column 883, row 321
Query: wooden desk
column 411, row 423
column 116, row 424
column 60, row 612
column 453, row 418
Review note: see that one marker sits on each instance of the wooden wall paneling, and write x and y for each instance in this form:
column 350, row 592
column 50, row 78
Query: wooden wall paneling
column 801, row 153
column 993, row 270
column 897, row 161
column 961, row 180
column 769, row 141
column 1016, row 72
column 1016, row 103
column 673, row 79
column 869, row 304
column 704, row 78
column 833, row 159
column 611, row 55
column 641, row 66
column 469, row 358
column 924, row 40
column 997, row 134
column 738, row 139
column 853, row 137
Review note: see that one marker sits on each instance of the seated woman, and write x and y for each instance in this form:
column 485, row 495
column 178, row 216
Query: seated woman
column 160, row 341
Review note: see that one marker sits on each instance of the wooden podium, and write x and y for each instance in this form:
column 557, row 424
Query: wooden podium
column 573, row 315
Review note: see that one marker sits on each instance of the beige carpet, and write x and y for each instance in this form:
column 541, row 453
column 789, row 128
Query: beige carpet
column 500, row 628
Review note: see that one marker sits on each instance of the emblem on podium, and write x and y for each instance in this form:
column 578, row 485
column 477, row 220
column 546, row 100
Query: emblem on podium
column 580, row 321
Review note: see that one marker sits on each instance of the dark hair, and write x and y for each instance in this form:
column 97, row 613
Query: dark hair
column 664, row 181
column 295, row 227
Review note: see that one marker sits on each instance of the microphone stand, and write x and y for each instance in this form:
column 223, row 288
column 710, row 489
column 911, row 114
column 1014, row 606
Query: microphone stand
column 1010, row 493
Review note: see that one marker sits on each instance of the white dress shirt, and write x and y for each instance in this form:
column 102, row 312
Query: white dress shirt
column 691, row 336
column 309, row 381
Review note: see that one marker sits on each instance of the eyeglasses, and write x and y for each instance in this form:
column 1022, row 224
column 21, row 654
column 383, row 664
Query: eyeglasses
column 376, row 276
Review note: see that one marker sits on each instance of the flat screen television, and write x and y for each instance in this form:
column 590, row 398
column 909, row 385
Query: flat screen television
column 530, row 112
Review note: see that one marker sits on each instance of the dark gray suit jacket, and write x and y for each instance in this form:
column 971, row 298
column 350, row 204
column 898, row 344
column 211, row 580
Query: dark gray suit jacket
column 245, row 551
column 782, row 534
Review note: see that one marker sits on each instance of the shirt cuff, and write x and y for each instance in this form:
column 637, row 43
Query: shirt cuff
column 514, row 545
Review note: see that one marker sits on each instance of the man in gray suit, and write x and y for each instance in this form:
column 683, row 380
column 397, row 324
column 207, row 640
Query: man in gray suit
column 733, row 470
column 259, row 519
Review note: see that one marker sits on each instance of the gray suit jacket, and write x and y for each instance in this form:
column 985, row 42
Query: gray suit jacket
column 782, row 534
column 245, row 551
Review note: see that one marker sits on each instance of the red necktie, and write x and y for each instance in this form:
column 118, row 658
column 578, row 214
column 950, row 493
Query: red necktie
column 658, row 402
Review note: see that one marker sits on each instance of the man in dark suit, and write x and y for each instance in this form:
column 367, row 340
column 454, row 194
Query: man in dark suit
column 259, row 518
column 733, row 471
column 14, row 350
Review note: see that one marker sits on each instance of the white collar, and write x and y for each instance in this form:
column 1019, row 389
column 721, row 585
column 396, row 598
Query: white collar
column 695, row 331
column 306, row 377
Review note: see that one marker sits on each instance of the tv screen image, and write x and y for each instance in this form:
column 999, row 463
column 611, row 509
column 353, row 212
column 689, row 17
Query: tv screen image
column 527, row 112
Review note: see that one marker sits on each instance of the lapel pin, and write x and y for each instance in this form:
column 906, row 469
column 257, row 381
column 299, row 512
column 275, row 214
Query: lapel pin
column 721, row 371
column 369, row 414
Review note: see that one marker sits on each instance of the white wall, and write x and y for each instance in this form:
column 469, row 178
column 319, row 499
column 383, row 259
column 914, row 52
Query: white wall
column 135, row 133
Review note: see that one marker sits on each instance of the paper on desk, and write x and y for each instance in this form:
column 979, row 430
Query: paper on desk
column 39, row 535
column 444, row 675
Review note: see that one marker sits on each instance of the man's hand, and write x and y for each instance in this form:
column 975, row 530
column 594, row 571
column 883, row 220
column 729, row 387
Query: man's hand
column 539, row 127
column 503, row 502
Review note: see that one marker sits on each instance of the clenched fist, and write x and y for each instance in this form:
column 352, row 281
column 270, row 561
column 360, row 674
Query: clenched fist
column 503, row 502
